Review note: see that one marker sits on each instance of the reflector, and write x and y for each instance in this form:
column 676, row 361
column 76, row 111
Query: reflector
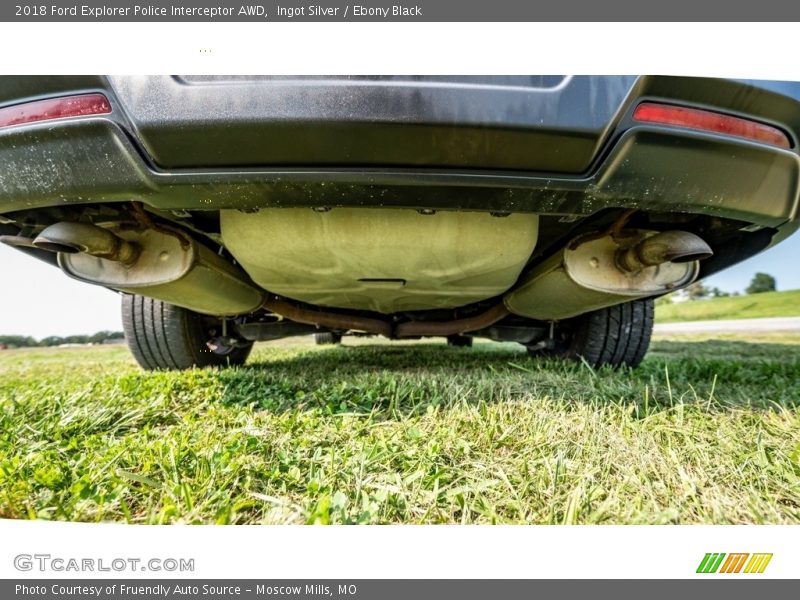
column 54, row 108
column 714, row 122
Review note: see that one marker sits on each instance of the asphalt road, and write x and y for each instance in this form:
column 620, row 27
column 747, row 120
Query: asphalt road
column 732, row 326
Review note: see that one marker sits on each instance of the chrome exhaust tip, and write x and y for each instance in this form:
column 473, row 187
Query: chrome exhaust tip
column 74, row 238
column 665, row 247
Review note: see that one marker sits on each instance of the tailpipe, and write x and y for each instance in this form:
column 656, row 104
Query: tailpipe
column 666, row 247
column 594, row 272
column 73, row 238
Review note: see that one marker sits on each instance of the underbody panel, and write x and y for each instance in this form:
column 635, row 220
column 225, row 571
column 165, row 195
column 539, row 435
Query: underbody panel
column 383, row 260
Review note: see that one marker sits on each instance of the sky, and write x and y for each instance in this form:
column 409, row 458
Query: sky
column 37, row 299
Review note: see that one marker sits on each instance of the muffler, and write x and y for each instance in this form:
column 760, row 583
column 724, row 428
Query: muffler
column 164, row 263
column 595, row 272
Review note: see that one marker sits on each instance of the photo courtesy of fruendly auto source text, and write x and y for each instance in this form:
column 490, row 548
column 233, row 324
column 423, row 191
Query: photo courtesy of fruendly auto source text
column 392, row 300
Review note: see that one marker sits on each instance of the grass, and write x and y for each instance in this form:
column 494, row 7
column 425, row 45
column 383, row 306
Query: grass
column 755, row 306
column 703, row 432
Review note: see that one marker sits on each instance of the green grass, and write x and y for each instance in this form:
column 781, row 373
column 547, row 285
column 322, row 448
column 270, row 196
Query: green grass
column 703, row 432
column 755, row 306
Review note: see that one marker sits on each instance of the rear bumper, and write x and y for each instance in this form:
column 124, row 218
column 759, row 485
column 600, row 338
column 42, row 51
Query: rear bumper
column 547, row 124
column 550, row 145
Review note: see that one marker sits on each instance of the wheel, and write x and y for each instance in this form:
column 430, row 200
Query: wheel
column 327, row 338
column 459, row 341
column 164, row 336
column 615, row 336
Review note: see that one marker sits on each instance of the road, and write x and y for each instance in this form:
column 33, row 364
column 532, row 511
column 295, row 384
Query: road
column 732, row 326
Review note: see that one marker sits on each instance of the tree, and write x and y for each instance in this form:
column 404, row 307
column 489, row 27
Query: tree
column 762, row 282
column 697, row 291
column 17, row 341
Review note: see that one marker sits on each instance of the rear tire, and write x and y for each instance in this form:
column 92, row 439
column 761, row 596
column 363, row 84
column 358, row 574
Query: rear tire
column 328, row 338
column 164, row 336
column 615, row 336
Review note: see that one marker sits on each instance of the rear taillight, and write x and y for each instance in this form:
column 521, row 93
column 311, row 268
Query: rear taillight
column 54, row 108
column 714, row 122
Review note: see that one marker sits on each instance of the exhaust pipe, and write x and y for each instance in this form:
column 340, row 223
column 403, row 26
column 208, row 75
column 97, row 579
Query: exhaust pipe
column 74, row 238
column 454, row 327
column 666, row 247
column 17, row 241
column 310, row 315
column 594, row 272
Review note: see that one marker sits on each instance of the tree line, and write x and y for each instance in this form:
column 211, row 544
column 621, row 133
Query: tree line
column 761, row 282
column 22, row 341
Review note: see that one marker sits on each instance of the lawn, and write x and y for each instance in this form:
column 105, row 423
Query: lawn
column 755, row 306
column 703, row 432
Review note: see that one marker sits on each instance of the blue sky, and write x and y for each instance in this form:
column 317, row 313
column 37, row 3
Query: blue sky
column 782, row 262
column 43, row 301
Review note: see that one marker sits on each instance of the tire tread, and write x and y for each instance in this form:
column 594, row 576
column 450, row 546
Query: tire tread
column 164, row 336
column 616, row 336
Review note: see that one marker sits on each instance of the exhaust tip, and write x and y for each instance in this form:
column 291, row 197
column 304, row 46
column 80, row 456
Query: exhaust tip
column 666, row 247
column 74, row 238
column 56, row 246
column 691, row 257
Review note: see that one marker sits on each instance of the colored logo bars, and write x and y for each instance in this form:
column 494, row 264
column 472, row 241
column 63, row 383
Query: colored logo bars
column 717, row 562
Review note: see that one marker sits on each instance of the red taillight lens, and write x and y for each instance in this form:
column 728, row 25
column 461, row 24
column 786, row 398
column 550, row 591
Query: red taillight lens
column 54, row 108
column 707, row 120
